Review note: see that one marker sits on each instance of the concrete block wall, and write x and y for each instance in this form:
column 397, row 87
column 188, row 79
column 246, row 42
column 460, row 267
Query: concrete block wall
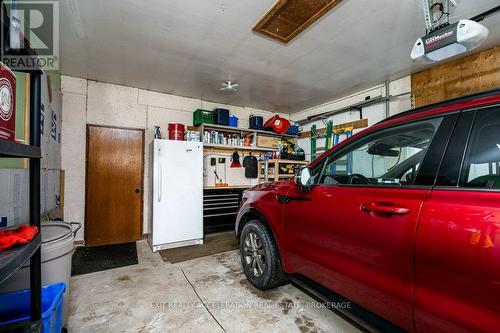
column 90, row 102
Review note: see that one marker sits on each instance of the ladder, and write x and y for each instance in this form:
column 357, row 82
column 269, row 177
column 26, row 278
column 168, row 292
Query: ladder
column 315, row 136
column 347, row 131
column 331, row 140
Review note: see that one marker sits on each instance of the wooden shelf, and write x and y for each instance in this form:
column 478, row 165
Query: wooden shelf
column 229, row 147
column 287, row 162
column 18, row 150
column 274, row 164
column 279, row 176
column 14, row 258
column 275, row 134
column 225, row 128
column 244, row 130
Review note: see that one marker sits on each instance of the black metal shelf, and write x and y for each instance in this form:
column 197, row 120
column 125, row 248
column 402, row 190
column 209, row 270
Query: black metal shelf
column 14, row 149
column 14, row 258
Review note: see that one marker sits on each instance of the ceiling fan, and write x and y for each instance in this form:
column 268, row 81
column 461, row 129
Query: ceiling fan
column 229, row 85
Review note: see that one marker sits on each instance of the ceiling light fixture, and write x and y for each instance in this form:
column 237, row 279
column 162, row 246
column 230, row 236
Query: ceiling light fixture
column 229, row 85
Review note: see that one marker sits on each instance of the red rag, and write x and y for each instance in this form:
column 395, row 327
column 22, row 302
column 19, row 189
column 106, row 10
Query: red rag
column 22, row 235
column 26, row 232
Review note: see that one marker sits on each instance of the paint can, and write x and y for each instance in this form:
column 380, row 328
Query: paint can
column 176, row 132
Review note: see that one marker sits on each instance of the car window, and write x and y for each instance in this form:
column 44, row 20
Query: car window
column 388, row 157
column 482, row 158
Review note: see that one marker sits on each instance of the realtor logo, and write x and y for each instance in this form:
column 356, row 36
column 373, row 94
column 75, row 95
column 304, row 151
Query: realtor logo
column 33, row 25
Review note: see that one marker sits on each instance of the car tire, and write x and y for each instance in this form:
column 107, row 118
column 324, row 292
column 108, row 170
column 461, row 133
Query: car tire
column 259, row 256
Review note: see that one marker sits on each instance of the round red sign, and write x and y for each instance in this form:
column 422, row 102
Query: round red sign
column 6, row 103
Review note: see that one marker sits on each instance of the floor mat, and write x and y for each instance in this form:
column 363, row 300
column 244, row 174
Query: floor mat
column 212, row 244
column 101, row 258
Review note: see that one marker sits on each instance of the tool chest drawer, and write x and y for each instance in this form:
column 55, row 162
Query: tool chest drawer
column 220, row 207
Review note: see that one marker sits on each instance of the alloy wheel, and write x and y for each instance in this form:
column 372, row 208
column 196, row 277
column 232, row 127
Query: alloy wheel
column 254, row 254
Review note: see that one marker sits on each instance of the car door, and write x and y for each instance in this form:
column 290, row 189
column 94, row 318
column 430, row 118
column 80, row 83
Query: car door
column 354, row 230
column 457, row 264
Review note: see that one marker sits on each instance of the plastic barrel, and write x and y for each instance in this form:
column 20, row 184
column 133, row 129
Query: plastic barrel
column 57, row 250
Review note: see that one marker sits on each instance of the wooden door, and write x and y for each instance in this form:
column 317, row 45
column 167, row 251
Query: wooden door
column 113, row 210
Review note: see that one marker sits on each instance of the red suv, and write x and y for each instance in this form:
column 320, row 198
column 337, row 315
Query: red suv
column 402, row 219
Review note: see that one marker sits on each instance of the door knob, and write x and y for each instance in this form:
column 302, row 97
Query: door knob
column 137, row 190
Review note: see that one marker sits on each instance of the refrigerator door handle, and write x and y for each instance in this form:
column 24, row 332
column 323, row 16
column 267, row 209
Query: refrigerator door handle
column 160, row 182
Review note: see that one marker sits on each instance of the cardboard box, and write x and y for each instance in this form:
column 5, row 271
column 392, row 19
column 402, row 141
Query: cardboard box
column 267, row 141
column 7, row 103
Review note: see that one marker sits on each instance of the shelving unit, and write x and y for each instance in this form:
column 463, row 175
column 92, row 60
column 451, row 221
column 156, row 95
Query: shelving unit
column 270, row 169
column 221, row 204
column 241, row 131
column 13, row 259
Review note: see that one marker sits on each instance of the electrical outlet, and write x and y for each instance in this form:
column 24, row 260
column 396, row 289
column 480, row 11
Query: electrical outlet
column 213, row 161
column 222, row 160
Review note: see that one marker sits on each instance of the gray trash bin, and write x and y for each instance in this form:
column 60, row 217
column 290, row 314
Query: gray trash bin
column 57, row 250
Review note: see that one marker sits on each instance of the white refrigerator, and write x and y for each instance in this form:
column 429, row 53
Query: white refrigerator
column 177, row 194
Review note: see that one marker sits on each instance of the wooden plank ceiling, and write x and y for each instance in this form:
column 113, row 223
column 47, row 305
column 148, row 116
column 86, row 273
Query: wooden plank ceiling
column 288, row 18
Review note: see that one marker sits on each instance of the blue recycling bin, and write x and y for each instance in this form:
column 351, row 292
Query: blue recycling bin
column 15, row 307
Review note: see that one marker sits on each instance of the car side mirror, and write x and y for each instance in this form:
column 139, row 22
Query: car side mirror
column 304, row 178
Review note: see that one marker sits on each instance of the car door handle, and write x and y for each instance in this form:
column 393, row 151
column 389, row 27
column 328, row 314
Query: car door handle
column 384, row 208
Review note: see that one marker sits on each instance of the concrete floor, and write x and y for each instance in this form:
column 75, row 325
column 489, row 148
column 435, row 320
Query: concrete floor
column 208, row 294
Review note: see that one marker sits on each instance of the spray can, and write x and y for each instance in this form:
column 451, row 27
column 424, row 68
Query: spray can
column 157, row 132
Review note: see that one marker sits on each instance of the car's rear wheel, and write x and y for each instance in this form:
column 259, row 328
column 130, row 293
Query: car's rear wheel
column 259, row 256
